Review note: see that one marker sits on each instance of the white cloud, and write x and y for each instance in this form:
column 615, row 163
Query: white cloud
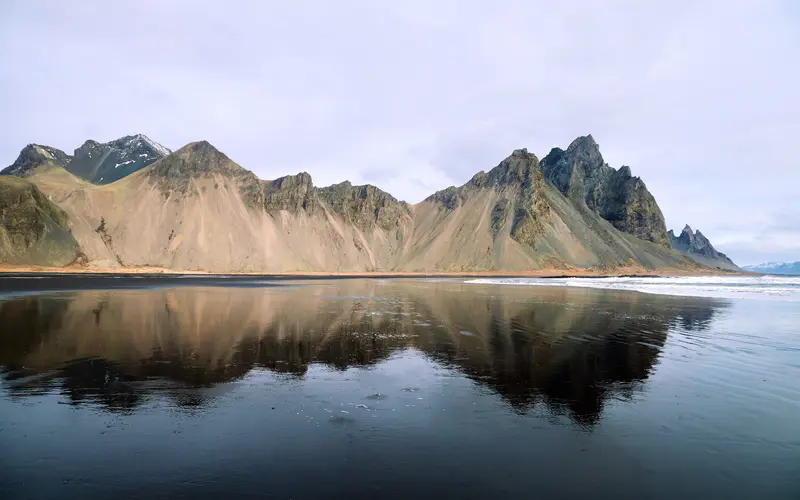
column 699, row 98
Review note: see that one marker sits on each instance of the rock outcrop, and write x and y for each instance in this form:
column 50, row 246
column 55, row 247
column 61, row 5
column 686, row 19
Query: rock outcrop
column 196, row 209
column 33, row 156
column 33, row 230
column 98, row 163
column 511, row 218
column 365, row 206
column 581, row 174
column 104, row 163
column 697, row 247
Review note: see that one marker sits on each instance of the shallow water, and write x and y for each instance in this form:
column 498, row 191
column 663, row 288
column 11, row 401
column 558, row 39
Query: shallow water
column 394, row 388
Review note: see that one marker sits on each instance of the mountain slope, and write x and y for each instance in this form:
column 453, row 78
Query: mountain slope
column 791, row 268
column 615, row 195
column 196, row 209
column 33, row 230
column 111, row 161
column 34, row 156
column 511, row 219
column 697, row 247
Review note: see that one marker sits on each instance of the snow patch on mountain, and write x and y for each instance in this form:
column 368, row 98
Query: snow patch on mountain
column 775, row 268
column 161, row 150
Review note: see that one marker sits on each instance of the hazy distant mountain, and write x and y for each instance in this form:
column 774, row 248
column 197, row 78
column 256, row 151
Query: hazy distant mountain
column 197, row 209
column 697, row 247
column 775, row 268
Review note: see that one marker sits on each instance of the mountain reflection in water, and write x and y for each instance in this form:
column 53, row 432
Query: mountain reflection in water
column 565, row 351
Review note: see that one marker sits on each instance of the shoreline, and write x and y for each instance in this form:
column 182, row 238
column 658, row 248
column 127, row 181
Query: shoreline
column 622, row 272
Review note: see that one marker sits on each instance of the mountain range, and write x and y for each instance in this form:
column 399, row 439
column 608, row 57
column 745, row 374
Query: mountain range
column 775, row 268
column 132, row 203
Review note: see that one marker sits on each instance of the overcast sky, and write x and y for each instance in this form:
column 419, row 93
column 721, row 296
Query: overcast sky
column 700, row 98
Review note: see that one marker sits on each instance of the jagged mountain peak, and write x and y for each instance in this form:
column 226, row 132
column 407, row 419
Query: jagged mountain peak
column 515, row 170
column 586, row 150
column 198, row 146
column 301, row 179
column 103, row 163
column 580, row 173
column 201, row 150
column 194, row 160
column 88, row 143
column 509, row 217
column 697, row 247
column 365, row 205
column 34, row 155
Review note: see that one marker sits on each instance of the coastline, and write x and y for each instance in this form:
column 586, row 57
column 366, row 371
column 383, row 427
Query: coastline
column 538, row 273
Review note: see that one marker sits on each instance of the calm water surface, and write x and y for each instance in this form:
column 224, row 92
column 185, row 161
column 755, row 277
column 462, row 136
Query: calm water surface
column 393, row 389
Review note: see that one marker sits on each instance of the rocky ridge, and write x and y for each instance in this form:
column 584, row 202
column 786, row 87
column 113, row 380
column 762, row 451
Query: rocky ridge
column 198, row 209
column 33, row 156
column 104, row 163
column 697, row 247
column 581, row 174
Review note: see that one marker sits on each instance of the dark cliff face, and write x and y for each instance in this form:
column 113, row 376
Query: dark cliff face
column 293, row 193
column 103, row 163
column 696, row 246
column 33, row 156
column 520, row 177
column 33, row 230
column 365, row 205
column 580, row 174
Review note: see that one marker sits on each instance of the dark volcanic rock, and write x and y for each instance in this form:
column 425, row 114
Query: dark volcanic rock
column 365, row 205
column 33, row 230
column 34, row 155
column 292, row 193
column 103, row 163
column 195, row 160
column 697, row 247
column 580, row 174
column 521, row 175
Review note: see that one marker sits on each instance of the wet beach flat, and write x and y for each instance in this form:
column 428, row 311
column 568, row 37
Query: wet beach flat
column 184, row 387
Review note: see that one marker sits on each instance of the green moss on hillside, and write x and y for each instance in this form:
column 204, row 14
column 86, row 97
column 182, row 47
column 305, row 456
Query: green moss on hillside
column 33, row 230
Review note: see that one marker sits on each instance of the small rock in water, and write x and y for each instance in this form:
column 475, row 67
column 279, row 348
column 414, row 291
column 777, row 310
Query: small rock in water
column 376, row 396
